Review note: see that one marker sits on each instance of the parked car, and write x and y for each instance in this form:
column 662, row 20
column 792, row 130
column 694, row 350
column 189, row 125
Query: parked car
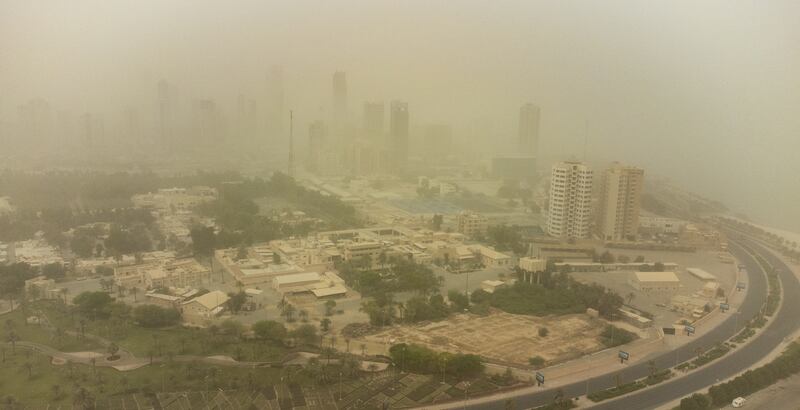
column 738, row 402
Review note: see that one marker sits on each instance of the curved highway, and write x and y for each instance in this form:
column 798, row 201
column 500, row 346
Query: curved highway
column 729, row 365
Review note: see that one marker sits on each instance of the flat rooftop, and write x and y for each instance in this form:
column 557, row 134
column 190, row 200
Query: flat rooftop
column 656, row 277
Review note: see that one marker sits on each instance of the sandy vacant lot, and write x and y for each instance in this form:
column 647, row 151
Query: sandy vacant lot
column 504, row 337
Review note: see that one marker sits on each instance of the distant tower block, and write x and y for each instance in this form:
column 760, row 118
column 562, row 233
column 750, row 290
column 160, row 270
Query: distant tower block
column 529, row 129
column 291, row 144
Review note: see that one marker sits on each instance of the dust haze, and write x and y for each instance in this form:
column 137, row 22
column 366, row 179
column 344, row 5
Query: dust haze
column 705, row 94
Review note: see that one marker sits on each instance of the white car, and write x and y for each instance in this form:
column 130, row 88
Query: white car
column 738, row 402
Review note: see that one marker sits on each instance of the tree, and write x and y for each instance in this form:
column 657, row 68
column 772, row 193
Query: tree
column 303, row 315
column 288, row 311
column 543, row 332
column 325, row 324
column 269, row 330
column 330, row 305
column 306, row 334
column 12, row 338
column 155, row 316
column 93, row 305
column 54, row 271
column 630, row 297
column 536, row 361
column 458, row 301
column 82, row 246
column 112, row 351
column 232, row 327
column 437, row 221
column 639, row 259
column 203, row 240
column 236, row 301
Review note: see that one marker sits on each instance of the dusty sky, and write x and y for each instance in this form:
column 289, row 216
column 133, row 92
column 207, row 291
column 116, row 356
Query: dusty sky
column 707, row 93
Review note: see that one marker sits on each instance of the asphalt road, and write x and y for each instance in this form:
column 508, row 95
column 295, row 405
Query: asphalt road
column 729, row 365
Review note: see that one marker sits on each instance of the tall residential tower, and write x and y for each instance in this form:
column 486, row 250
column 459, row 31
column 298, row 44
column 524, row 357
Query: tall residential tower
column 570, row 204
column 528, row 142
column 618, row 216
column 398, row 133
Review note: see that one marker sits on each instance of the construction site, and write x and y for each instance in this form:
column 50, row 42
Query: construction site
column 503, row 337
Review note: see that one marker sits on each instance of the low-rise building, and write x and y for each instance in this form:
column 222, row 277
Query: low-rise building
column 655, row 282
column 472, row 224
column 38, row 287
column 36, row 253
column 204, row 307
column 701, row 274
column 165, row 273
column 490, row 286
column 163, row 300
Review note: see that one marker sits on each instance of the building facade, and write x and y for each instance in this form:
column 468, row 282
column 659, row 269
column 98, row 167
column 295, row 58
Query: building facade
column 471, row 224
column 529, row 129
column 618, row 216
column 570, row 206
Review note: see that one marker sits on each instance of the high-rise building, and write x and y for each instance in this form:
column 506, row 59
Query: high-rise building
column 208, row 123
column 529, row 129
column 374, row 119
column 247, row 121
column 316, row 145
column 438, row 141
column 273, row 104
column 570, row 203
column 618, row 216
column 339, row 98
column 165, row 109
column 398, row 133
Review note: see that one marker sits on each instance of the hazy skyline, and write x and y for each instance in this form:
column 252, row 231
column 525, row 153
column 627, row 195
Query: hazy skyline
column 705, row 93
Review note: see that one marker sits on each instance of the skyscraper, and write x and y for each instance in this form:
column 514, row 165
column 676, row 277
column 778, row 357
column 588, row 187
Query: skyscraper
column 316, row 144
column 528, row 143
column 374, row 119
column 273, row 104
column 165, row 109
column 398, row 133
column 618, row 216
column 570, row 203
column 339, row 98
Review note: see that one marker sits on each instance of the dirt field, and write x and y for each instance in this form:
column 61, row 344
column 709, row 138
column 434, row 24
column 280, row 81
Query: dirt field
column 503, row 337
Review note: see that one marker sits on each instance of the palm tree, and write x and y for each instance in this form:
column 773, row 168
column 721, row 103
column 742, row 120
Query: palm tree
column 134, row 291
column 83, row 399
column 630, row 297
column 304, row 315
column 12, row 338
column 64, row 292
column 56, row 389
column 28, row 366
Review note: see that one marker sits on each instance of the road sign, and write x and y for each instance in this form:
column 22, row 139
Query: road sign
column 724, row 307
column 740, row 286
column 539, row 378
column 689, row 330
column 668, row 330
column 623, row 356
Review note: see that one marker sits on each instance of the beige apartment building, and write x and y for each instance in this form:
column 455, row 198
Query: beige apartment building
column 471, row 224
column 618, row 213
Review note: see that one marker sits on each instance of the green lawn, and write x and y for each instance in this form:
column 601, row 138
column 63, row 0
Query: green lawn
column 38, row 390
column 176, row 340
column 40, row 334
